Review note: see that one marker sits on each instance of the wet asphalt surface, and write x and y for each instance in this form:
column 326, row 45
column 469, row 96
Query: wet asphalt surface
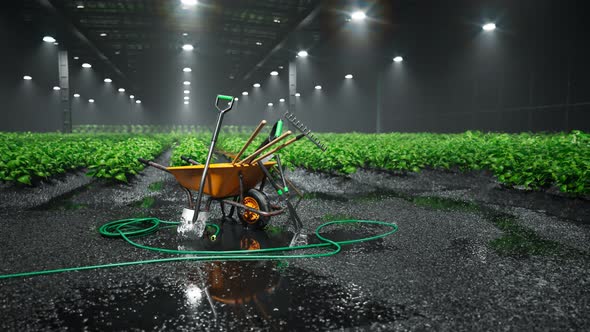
column 469, row 255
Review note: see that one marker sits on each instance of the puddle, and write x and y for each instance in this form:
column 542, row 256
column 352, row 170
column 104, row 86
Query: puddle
column 66, row 201
column 156, row 186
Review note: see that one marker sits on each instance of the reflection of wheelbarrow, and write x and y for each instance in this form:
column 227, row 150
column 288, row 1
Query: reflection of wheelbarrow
column 234, row 183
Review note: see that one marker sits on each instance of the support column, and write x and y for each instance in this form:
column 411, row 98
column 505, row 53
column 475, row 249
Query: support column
column 379, row 105
column 292, row 87
column 64, row 84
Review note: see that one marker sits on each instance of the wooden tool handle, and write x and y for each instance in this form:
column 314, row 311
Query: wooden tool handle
column 273, row 142
column 292, row 140
column 252, row 137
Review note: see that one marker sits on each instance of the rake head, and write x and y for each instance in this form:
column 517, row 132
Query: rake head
column 304, row 130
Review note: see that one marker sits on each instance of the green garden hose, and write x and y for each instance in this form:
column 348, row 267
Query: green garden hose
column 136, row 227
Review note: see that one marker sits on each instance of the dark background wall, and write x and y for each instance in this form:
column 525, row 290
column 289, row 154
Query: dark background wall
column 531, row 74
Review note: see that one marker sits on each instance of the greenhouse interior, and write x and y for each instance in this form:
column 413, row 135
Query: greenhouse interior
column 294, row 165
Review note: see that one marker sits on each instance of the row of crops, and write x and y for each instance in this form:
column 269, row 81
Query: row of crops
column 532, row 161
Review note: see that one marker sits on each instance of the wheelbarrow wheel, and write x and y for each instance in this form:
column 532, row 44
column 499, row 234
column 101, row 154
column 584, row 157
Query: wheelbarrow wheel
column 257, row 200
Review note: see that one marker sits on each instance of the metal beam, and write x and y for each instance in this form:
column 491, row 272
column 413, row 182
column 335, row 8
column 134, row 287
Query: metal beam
column 64, row 84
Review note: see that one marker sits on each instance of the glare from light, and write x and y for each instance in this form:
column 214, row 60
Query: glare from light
column 349, row 76
column 398, row 59
column 76, row 95
column 318, row 87
column 91, row 101
column 297, row 94
column 27, row 78
column 274, row 73
column 121, row 90
column 49, row 39
column 189, row 2
column 103, row 34
column 302, row 54
column 282, row 100
column 186, row 92
column 358, row 16
column 256, row 85
column 245, row 93
column 186, row 70
column 489, row 27
column 108, row 80
column 56, row 88
column 270, row 104
column 138, row 101
column 186, row 83
column 188, row 47
column 193, row 295
column 86, row 65
column 131, row 97
column 187, row 97
column 186, row 102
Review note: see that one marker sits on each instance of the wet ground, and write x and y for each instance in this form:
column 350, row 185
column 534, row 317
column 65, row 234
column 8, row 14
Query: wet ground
column 469, row 255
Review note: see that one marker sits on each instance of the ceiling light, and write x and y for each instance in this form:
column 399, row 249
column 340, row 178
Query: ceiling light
column 349, row 76
column 186, row 70
column 80, row 6
column 189, row 2
column 276, row 20
column 185, row 34
column 259, row 43
column 131, row 96
column 27, row 78
column 274, row 73
column 76, row 95
column 108, row 80
column 188, row 47
column 49, row 39
column 282, row 100
column 138, row 101
column 186, row 92
column 56, row 88
column 186, row 83
column 256, row 85
column 103, row 34
column 236, row 99
column 297, row 94
column 121, row 90
column 86, row 65
column 489, row 27
column 186, row 102
column 91, row 100
column 186, row 98
column 303, row 54
column 398, row 59
column 270, row 104
column 76, row 57
column 56, row 43
column 281, row 67
column 358, row 16
column 318, row 87
column 245, row 93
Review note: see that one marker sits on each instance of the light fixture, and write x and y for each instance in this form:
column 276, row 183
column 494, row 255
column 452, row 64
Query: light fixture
column 56, row 88
column 121, row 90
column 27, row 78
column 188, row 47
column 302, row 54
column 185, row 34
column 189, row 2
column 103, row 34
column 236, row 99
column 186, row 98
column 186, row 102
column 256, row 85
column 108, row 80
column 358, row 16
column 281, row 67
column 86, row 65
column 270, row 104
column 186, row 92
column 186, row 83
column 49, row 39
column 489, row 27
column 76, row 95
column 245, row 93
column 76, row 57
column 318, row 87
column 259, row 43
column 276, row 20
column 138, row 101
column 282, row 100
column 348, row 76
column 56, row 43
column 131, row 96
column 80, row 6
column 91, row 101
column 398, row 59
column 186, row 70
column 297, row 94
column 274, row 73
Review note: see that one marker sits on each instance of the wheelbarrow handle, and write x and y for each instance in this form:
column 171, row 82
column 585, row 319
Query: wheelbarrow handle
column 189, row 160
column 153, row 164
